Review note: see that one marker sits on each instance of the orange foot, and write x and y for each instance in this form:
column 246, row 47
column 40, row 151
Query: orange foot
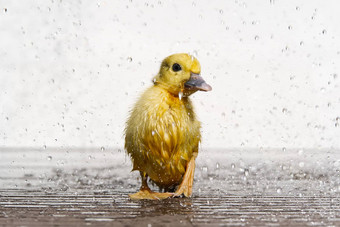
column 186, row 186
column 148, row 194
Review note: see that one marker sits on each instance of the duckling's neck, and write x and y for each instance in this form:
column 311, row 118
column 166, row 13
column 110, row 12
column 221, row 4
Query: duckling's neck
column 173, row 92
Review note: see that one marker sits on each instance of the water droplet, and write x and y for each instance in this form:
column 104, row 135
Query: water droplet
column 284, row 149
column 217, row 165
column 256, row 37
column 44, row 147
column 129, row 59
column 5, row 10
column 324, row 31
column 102, row 148
column 284, row 110
column 290, row 27
column 301, row 164
column 153, row 133
column 300, row 152
column 297, row 8
column 142, row 83
column 180, row 95
column 246, row 172
column 335, row 76
column 49, row 158
column 232, row 165
column 279, row 190
column 322, row 89
column 337, row 124
column 221, row 11
column 301, row 43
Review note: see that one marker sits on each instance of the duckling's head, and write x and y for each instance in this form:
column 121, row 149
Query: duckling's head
column 180, row 75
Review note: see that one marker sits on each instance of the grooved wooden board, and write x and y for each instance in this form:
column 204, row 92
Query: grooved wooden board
column 232, row 187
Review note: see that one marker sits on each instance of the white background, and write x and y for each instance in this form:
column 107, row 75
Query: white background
column 71, row 70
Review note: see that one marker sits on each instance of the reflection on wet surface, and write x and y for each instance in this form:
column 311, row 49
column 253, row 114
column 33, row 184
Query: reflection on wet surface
column 250, row 187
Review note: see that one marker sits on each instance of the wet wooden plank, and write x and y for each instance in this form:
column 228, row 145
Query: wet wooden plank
column 44, row 187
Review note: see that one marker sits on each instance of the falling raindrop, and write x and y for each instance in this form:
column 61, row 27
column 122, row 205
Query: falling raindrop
column 300, row 152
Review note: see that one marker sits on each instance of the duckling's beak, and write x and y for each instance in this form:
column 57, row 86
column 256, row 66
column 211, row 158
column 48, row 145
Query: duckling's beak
column 196, row 82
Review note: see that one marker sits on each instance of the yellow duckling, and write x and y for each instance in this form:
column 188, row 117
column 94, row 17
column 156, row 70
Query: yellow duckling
column 162, row 133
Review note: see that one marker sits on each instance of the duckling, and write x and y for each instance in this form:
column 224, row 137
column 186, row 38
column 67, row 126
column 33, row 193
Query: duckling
column 162, row 133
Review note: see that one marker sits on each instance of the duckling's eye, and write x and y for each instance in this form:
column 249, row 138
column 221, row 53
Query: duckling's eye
column 176, row 67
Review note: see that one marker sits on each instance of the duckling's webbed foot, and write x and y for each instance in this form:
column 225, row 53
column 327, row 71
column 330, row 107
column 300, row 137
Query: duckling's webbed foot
column 186, row 186
column 146, row 193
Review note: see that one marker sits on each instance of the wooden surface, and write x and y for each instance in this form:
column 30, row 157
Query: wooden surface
column 63, row 187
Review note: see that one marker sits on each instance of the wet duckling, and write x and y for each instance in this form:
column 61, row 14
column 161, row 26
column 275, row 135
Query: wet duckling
column 162, row 133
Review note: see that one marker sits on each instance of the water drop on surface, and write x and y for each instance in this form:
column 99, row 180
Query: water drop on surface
column 284, row 110
column 102, row 148
column 180, row 95
column 290, row 27
column 279, row 190
column 233, row 166
column 246, row 172
column 49, row 158
column 301, row 164
column 324, row 31
column 256, row 37
column 284, row 149
column 153, row 133
column 129, row 59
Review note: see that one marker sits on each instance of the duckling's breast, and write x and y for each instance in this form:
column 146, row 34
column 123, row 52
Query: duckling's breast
column 161, row 135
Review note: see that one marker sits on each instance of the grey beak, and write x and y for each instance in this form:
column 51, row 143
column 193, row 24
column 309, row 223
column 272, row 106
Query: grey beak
column 196, row 82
